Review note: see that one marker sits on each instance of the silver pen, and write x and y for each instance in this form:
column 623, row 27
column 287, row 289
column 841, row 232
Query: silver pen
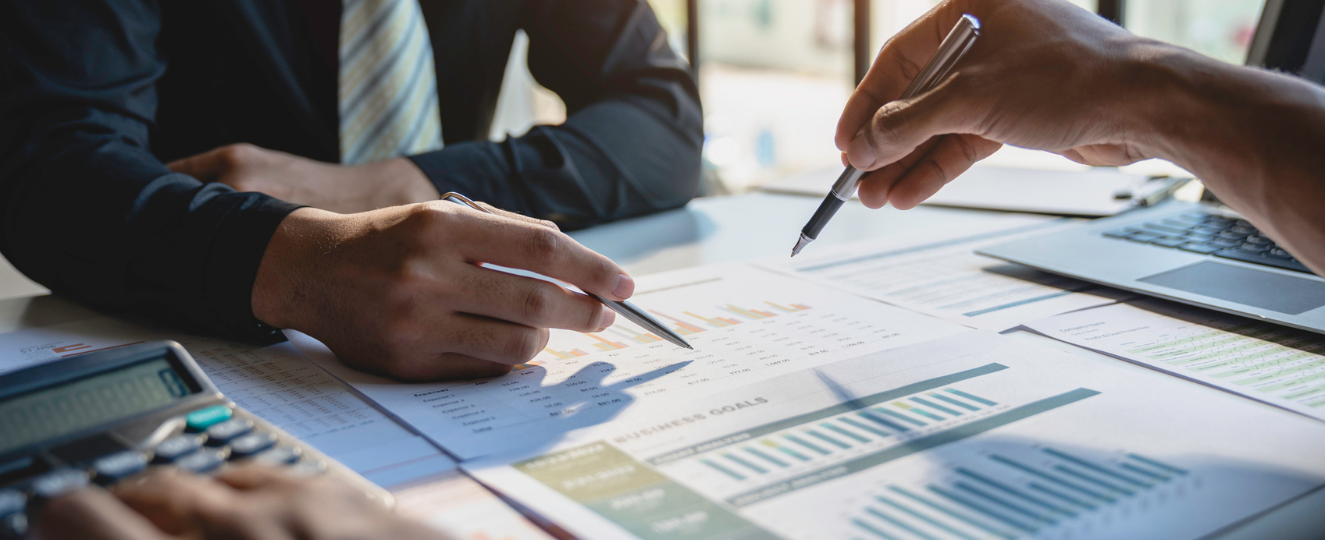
column 626, row 309
column 958, row 41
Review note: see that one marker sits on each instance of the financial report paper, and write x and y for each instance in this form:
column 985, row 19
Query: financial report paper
column 938, row 273
column 980, row 436
column 1264, row 361
column 276, row 383
column 747, row 324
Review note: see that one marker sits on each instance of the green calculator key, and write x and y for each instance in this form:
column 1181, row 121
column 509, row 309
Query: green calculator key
column 202, row 419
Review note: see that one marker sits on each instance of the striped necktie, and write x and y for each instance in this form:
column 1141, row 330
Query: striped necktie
column 388, row 89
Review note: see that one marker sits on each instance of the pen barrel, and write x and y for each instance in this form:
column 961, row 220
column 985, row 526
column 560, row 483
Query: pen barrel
column 821, row 216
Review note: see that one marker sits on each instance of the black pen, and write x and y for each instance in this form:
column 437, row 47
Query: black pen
column 626, row 309
column 958, row 41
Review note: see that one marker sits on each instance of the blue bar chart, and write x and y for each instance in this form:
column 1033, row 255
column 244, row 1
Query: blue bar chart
column 829, row 437
column 1011, row 495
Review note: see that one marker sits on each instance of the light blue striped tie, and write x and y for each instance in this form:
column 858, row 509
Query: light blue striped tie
column 388, row 89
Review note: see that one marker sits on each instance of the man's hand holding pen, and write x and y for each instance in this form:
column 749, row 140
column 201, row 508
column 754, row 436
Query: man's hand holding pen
column 400, row 291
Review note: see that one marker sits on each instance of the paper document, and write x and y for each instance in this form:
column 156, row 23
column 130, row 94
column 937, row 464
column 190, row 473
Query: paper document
column 979, row 436
column 276, row 383
column 1088, row 192
column 746, row 325
column 1278, row 365
column 936, row 272
column 463, row 509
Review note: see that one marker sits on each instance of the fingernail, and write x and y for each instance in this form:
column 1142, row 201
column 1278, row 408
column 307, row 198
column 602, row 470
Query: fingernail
column 624, row 286
column 860, row 154
column 608, row 318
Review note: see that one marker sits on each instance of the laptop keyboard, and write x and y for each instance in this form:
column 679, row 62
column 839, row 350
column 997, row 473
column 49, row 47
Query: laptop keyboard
column 1210, row 234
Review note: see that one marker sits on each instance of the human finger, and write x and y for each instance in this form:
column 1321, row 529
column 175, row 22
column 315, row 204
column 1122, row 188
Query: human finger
column 952, row 156
column 527, row 301
column 898, row 127
column 459, row 346
column 875, row 186
column 444, row 366
column 256, row 475
column 92, row 514
column 495, row 341
column 520, row 244
column 897, row 64
column 173, row 500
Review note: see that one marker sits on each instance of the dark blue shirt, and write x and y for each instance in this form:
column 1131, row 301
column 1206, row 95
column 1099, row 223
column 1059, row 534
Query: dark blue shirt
column 96, row 95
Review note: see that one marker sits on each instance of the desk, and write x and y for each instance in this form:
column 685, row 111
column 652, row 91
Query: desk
column 745, row 227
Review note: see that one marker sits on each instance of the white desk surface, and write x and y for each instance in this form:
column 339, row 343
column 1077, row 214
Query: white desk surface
column 728, row 229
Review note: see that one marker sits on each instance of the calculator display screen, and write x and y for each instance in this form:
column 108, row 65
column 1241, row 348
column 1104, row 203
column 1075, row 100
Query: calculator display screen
column 83, row 403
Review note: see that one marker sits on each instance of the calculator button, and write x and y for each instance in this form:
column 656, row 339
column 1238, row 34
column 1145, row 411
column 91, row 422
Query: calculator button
column 308, row 467
column 118, row 466
column 251, row 444
column 177, row 447
column 202, row 419
column 58, row 482
column 281, row 455
column 202, row 462
column 224, row 432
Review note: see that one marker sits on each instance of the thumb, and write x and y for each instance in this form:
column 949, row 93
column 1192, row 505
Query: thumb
column 899, row 127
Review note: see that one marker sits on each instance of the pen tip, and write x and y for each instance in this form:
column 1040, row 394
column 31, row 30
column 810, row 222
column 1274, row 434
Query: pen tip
column 800, row 244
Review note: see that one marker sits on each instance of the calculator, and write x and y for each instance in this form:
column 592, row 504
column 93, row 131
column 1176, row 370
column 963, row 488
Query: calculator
column 107, row 416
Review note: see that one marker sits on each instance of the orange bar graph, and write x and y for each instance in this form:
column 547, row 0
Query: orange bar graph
column 607, row 344
column 565, row 355
column 682, row 327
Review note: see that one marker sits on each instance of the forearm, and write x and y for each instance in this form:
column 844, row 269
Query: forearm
column 610, row 160
column 1255, row 139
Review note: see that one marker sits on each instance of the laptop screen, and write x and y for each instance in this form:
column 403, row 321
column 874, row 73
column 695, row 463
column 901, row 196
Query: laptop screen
column 1291, row 38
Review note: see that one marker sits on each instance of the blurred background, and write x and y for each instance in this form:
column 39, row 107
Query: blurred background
column 775, row 74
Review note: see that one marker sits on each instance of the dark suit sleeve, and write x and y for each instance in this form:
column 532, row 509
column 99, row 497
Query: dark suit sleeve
column 632, row 139
column 87, row 210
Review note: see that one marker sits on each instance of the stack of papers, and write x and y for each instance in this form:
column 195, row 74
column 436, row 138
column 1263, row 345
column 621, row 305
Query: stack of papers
column 977, row 437
column 858, row 392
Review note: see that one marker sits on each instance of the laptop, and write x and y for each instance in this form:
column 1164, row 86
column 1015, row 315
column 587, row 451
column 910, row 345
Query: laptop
column 1202, row 253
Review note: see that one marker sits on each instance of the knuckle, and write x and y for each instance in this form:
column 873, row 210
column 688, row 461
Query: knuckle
column 968, row 151
column 521, row 346
column 428, row 215
column 238, row 155
column 886, row 130
column 538, row 306
column 543, row 245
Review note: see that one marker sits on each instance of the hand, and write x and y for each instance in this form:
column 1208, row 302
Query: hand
column 338, row 188
column 249, row 502
column 399, row 291
column 1044, row 74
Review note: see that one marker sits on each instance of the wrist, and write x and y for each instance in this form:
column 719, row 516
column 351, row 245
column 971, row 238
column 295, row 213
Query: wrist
column 1195, row 112
column 401, row 181
column 1155, row 100
column 285, row 282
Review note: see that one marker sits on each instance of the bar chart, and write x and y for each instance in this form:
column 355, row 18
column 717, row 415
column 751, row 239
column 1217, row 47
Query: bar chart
column 1003, row 495
column 863, row 429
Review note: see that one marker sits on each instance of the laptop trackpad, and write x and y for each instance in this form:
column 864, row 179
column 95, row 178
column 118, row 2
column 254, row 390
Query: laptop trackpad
column 1265, row 290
